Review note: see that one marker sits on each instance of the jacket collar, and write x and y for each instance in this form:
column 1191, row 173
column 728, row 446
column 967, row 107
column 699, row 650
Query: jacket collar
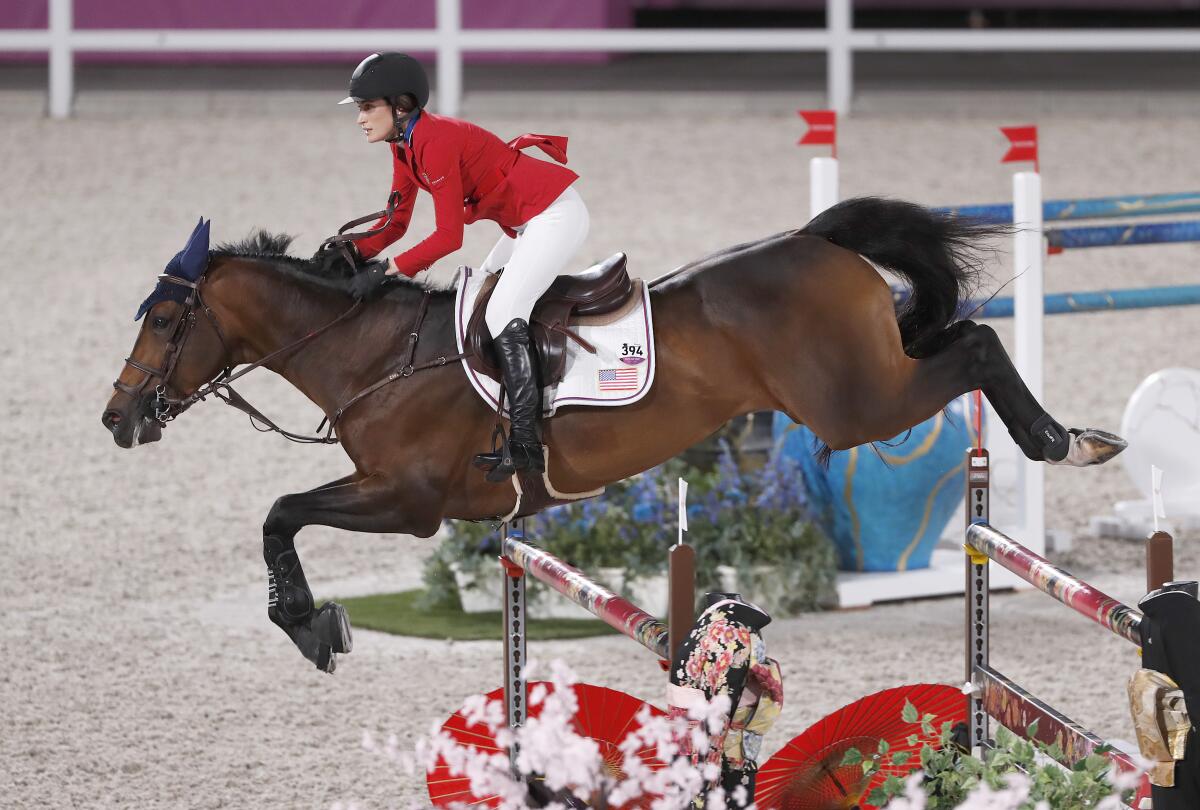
column 406, row 137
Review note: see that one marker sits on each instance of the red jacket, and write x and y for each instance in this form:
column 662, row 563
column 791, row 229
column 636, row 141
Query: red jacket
column 472, row 175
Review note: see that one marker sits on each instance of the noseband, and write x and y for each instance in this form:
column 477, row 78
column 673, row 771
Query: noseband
column 167, row 408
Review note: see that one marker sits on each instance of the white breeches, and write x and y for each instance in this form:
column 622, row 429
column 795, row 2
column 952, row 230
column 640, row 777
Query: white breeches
column 541, row 252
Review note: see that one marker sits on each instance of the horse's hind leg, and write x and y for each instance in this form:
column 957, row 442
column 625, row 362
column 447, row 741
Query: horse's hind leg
column 1035, row 432
column 968, row 357
column 972, row 356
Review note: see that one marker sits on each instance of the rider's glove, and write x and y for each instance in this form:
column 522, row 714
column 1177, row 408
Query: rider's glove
column 369, row 282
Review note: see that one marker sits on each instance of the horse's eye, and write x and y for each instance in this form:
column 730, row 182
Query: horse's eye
column 160, row 322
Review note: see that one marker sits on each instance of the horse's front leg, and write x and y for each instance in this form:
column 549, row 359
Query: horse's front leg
column 356, row 503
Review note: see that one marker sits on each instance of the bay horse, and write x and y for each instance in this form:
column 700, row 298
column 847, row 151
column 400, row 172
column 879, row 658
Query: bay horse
column 799, row 322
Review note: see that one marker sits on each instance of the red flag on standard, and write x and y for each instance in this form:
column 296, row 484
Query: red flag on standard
column 822, row 128
column 1022, row 145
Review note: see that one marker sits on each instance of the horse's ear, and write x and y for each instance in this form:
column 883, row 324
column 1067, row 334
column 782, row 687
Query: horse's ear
column 194, row 257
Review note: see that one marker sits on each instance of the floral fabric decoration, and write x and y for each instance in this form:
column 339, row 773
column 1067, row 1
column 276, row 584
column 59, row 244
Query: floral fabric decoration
column 725, row 655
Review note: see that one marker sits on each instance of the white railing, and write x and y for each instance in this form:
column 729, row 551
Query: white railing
column 839, row 40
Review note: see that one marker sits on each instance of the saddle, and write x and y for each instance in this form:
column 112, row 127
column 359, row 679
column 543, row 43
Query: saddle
column 599, row 290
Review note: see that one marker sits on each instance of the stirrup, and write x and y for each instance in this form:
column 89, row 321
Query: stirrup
column 499, row 453
column 531, row 456
column 487, row 461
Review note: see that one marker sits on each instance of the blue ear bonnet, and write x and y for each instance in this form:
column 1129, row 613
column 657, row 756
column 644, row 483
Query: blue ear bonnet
column 188, row 264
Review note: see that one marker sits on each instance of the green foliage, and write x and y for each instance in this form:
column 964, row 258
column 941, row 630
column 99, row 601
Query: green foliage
column 753, row 520
column 466, row 545
column 950, row 773
column 404, row 614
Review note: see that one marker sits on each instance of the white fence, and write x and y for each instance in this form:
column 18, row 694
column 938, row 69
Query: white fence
column 839, row 40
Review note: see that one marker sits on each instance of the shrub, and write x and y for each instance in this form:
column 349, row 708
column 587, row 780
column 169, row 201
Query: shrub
column 744, row 518
column 1021, row 774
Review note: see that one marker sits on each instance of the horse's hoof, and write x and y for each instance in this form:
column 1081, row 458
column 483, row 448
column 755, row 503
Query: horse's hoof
column 331, row 626
column 326, row 660
column 1090, row 446
column 318, row 651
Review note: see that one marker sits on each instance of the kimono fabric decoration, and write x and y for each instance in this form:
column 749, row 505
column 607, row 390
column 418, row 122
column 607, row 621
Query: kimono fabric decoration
column 725, row 655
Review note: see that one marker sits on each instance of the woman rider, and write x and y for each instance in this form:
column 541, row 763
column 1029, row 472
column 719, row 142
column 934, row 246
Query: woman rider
column 473, row 175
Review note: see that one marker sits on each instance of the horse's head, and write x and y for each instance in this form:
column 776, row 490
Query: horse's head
column 178, row 349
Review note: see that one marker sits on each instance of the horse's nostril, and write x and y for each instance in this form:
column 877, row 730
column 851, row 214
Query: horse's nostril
column 111, row 419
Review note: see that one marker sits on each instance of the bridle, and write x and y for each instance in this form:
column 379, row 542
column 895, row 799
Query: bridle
column 166, row 408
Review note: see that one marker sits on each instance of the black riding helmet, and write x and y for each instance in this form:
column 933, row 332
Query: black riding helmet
column 388, row 75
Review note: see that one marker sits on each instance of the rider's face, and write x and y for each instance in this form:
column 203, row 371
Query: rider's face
column 375, row 118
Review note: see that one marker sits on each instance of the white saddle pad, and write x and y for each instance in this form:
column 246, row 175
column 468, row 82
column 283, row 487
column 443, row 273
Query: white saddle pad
column 619, row 373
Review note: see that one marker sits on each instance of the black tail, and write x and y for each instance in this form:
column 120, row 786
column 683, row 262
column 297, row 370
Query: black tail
column 937, row 254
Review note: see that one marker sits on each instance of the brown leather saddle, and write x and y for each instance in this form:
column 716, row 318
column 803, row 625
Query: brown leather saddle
column 601, row 289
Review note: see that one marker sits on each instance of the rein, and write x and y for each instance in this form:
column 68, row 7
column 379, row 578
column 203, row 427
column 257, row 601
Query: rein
column 345, row 241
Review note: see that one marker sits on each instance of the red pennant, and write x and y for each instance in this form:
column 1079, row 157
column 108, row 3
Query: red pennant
column 1023, row 145
column 822, row 128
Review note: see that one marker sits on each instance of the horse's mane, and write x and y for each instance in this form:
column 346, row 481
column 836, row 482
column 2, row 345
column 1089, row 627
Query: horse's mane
column 272, row 248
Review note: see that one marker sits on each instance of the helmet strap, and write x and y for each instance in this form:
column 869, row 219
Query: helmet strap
column 397, row 125
column 400, row 121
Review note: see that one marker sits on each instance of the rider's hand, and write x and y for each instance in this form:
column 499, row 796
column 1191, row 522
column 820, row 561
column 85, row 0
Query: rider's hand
column 370, row 281
column 392, row 269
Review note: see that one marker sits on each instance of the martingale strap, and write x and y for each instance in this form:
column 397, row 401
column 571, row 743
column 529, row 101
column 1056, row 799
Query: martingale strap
column 406, row 369
column 236, row 400
column 223, row 391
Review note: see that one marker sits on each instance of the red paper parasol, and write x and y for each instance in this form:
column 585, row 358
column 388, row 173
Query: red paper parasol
column 605, row 715
column 807, row 774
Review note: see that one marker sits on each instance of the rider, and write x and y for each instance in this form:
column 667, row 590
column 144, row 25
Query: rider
column 473, row 175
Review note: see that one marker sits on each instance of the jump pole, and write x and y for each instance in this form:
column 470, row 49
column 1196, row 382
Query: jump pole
column 823, row 189
column 681, row 584
column 994, row 695
column 520, row 558
column 1029, row 254
column 516, row 688
column 822, row 184
column 1177, row 295
column 1123, row 207
column 1111, row 614
column 977, row 590
column 1160, row 560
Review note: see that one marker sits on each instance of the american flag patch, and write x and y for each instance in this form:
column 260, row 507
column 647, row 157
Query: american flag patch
column 617, row 379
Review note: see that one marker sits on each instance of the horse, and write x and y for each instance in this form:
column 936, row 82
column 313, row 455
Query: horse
column 800, row 322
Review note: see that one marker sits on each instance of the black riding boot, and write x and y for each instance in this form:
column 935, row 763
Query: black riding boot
column 318, row 634
column 523, row 451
